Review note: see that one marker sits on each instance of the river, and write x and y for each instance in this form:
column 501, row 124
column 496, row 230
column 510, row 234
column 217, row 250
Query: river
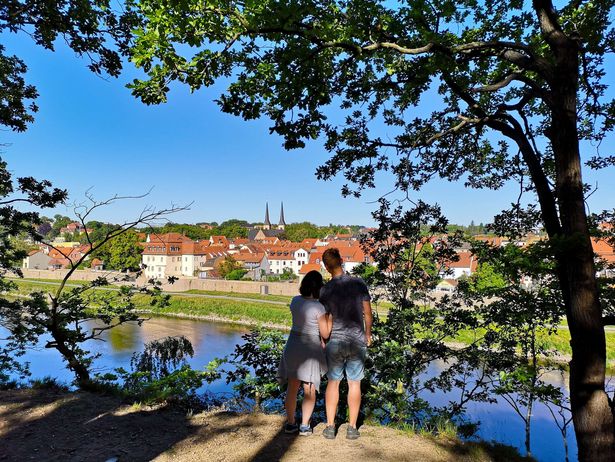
column 498, row 421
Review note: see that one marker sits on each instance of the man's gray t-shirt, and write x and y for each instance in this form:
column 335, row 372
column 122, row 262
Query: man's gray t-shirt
column 343, row 297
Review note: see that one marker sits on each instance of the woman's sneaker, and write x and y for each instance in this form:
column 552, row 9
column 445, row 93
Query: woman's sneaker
column 352, row 433
column 291, row 428
column 329, row 432
column 305, row 430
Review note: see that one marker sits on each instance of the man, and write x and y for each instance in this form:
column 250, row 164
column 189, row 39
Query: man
column 347, row 299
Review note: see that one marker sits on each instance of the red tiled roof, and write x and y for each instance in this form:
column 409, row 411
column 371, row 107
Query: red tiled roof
column 603, row 249
column 219, row 240
column 310, row 267
column 466, row 260
column 247, row 257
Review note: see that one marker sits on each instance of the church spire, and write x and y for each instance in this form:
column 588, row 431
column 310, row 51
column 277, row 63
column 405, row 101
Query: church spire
column 267, row 222
column 282, row 223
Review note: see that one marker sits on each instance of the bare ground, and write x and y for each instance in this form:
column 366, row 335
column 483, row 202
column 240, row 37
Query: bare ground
column 59, row 426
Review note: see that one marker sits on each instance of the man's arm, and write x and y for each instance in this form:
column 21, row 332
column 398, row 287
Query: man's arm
column 367, row 316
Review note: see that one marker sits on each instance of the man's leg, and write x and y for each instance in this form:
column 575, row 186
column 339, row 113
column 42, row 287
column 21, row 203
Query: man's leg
column 355, row 371
column 290, row 403
column 354, row 401
column 332, row 396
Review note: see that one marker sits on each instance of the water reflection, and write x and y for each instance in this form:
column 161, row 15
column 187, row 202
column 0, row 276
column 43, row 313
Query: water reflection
column 118, row 345
column 124, row 338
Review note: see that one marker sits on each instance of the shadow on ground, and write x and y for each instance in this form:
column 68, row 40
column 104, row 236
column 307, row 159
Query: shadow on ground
column 60, row 426
column 42, row 425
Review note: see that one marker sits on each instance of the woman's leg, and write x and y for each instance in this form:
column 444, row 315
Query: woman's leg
column 290, row 403
column 309, row 400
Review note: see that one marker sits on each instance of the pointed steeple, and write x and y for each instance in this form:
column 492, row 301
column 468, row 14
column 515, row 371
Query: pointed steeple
column 282, row 223
column 267, row 222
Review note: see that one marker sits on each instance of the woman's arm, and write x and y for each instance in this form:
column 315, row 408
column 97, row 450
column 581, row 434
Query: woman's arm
column 325, row 324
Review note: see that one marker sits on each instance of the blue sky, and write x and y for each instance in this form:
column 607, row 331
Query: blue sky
column 92, row 133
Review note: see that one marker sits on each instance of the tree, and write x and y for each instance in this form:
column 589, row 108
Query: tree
column 59, row 222
column 123, row 253
column 236, row 275
column 44, row 228
column 98, row 230
column 71, row 317
column 518, row 318
column 486, row 278
column 192, row 231
column 296, row 232
column 90, row 28
column 412, row 250
column 227, row 266
column 513, row 88
column 13, row 222
column 232, row 228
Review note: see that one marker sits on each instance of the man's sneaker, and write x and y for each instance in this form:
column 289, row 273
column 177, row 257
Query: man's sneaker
column 329, row 432
column 305, row 430
column 352, row 433
column 291, row 428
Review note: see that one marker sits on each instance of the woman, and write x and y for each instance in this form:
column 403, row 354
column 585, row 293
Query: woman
column 303, row 360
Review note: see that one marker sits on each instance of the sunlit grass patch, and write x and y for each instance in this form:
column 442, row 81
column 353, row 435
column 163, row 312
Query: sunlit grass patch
column 231, row 310
column 275, row 298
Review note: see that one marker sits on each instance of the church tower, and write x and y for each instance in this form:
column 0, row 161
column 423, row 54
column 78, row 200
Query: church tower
column 282, row 223
column 267, row 223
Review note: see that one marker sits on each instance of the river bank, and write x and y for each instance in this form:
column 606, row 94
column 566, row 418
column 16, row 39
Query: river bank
column 256, row 310
column 55, row 425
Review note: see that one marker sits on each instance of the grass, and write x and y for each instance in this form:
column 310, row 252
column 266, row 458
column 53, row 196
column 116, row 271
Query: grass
column 55, row 281
column 238, row 311
column 221, row 309
column 27, row 286
column 559, row 341
column 446, row 434
column 274, row 298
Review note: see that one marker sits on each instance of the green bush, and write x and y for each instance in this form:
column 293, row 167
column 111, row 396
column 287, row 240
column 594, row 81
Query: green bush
column 236, row 275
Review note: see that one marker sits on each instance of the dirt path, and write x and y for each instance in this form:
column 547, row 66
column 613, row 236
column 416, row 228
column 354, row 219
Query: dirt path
column 59, row 426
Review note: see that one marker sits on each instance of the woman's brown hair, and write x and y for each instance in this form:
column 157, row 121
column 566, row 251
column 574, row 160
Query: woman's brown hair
column 311, row 284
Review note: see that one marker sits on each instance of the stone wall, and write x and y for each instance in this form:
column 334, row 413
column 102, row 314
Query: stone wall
column 243, row 287
column 181, row 285
column 79, row 275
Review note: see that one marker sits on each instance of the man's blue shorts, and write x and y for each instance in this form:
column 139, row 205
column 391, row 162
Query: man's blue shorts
column 346, row 354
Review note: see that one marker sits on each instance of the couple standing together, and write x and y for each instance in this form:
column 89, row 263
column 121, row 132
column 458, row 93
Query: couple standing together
column 330, row 333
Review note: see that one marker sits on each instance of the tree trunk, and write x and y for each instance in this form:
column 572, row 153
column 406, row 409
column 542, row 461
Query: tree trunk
column 592, row 415
column 81, row 371
column 528, row 430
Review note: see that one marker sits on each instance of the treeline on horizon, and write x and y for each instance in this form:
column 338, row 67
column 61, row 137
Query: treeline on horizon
column 232, row 228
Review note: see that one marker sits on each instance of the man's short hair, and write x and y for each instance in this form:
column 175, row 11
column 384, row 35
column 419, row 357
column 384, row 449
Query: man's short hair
column 332, row 258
